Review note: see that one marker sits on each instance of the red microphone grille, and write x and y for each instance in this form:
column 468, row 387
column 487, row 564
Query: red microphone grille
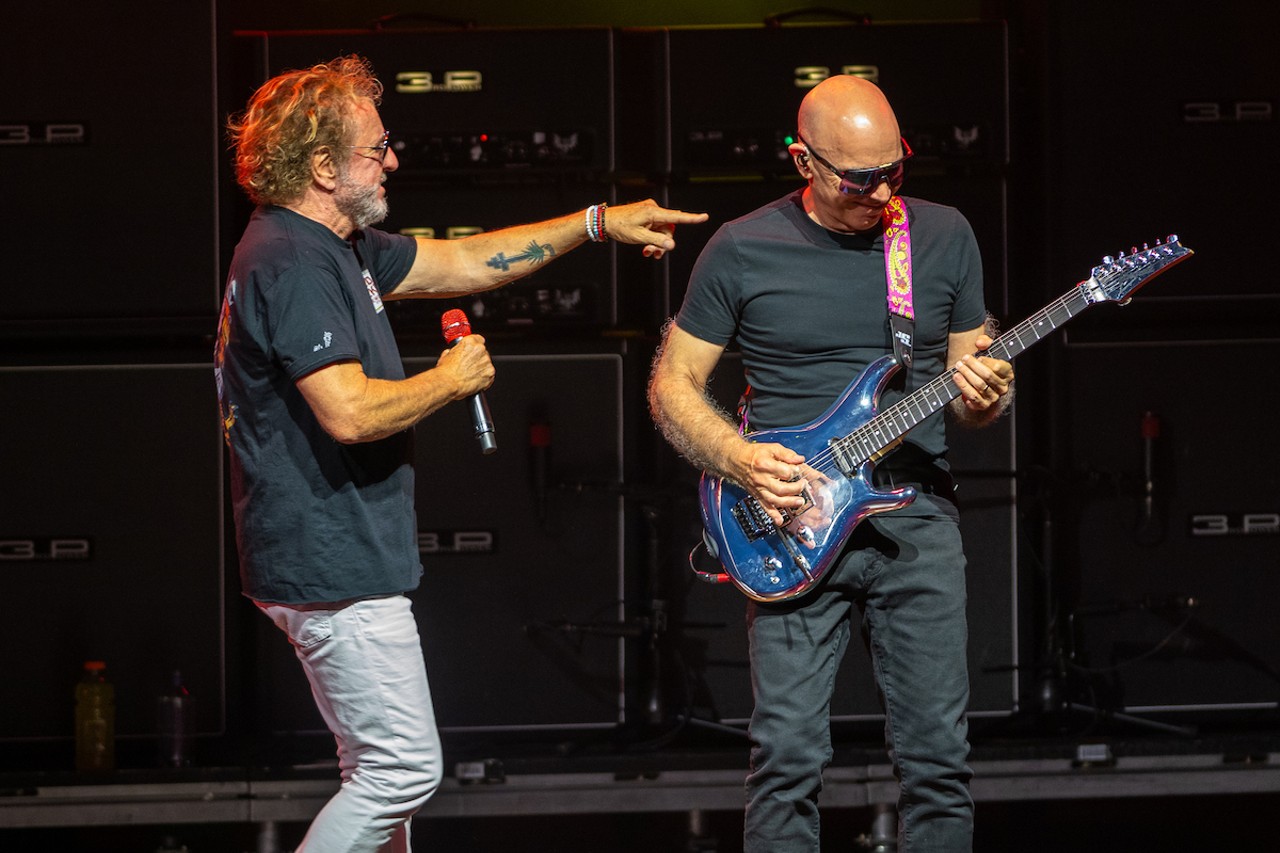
column 454, row 325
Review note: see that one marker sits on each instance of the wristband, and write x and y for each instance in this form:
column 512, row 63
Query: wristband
column 596, row 231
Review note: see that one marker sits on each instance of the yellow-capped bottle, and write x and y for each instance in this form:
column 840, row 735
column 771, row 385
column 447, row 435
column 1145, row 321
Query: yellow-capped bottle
column 95, row 719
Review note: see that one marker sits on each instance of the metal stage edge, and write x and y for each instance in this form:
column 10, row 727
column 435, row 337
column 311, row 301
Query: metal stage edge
column 239, row 800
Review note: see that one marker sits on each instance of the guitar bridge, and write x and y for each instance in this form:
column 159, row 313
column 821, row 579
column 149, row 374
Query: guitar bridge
column 756, row 523
column 752, row 518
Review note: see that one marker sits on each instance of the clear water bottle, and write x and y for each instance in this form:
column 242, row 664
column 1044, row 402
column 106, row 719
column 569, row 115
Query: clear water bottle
column 95, row 719
column 175, row 723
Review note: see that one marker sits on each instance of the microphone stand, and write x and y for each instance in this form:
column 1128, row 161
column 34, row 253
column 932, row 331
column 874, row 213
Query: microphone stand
column 1058, row 668
column 656, row 633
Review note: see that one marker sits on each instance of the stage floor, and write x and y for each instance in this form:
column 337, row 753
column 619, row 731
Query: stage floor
column 1160, row 790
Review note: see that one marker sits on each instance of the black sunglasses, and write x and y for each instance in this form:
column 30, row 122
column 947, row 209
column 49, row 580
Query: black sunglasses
column 866, row 181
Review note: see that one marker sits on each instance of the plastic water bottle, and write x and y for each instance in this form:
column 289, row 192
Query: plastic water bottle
column 175, row 723
column 95, row 719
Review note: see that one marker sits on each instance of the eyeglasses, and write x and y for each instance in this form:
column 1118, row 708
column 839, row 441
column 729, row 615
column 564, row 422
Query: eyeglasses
column 381, row 148
column 867, row 181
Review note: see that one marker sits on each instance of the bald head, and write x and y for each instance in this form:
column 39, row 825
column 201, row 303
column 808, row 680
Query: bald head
column 850, row 121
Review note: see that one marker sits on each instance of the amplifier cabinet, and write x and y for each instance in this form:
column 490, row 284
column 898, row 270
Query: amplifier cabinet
column 111, row 532
column 109, row 144
column 490, row 104
column 1175, row 534
column 1180, row 101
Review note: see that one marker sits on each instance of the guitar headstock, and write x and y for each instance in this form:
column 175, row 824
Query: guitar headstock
column 1116, row 279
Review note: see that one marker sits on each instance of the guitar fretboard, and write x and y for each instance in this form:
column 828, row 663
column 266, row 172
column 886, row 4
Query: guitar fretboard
column 882, row 431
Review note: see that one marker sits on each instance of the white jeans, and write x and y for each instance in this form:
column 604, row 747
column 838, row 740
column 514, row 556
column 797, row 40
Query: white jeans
column 364, row 662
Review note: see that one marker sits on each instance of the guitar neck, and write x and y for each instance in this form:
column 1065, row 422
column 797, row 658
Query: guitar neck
column 1038, row 326
column 889, row 426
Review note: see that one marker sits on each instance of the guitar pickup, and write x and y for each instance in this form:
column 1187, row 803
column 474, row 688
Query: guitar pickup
column 755, row 522
column 842, row 451
column 789, row 515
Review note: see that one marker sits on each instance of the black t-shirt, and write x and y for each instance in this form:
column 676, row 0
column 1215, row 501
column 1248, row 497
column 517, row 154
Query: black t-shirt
column 807, row 307
column 316, row 520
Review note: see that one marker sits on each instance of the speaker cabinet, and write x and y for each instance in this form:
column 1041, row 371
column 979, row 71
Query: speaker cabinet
column 501, row 105
column 520, row 604
column 728, row 116
column 714, row 639
column 110, row 542
column 1175, row 602
column 1180, row 139
column 109, row 141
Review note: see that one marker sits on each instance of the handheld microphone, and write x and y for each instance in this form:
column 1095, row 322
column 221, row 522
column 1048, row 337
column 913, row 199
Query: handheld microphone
column 454, row 325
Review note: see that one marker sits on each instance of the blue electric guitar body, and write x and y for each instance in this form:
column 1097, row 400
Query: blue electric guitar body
column 771, row 562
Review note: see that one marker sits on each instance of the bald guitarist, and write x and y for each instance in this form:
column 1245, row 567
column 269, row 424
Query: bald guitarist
column 813, row 288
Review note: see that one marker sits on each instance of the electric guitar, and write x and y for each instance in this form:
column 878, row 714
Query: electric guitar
column 771, row 562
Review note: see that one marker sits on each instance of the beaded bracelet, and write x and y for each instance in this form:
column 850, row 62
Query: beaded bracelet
column 595, row 223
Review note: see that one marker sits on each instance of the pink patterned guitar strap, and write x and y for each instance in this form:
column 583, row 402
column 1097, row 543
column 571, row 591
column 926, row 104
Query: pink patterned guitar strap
column 897, row 268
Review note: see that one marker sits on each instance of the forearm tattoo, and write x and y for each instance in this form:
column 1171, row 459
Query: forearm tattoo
column 535, row 253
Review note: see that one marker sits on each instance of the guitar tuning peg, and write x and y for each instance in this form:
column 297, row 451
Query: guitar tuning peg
column 1108, row 260
column 1145, row 247
column 1172, row 238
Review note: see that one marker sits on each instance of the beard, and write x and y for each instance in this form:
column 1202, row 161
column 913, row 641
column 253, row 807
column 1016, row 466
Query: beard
column 359, row 202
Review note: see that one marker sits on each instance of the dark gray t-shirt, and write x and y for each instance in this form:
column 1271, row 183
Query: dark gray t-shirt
column 316, row 520
column 807, row 308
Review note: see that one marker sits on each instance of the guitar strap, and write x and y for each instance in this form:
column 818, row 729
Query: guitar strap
column 902, row 315
column 897, row 269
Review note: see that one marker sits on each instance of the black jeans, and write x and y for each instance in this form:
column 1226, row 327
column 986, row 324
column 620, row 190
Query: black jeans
column 905, row 576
